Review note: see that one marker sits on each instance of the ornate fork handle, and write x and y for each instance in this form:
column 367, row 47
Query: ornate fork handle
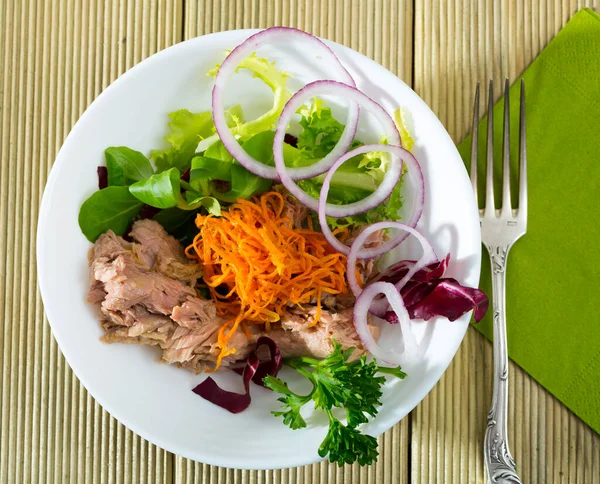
column 498, row 460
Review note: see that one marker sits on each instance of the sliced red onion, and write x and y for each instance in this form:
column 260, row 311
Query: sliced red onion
column 319, row 88
column 402, row 330
column 414, row 170
column 427, row 258
column 229, row 66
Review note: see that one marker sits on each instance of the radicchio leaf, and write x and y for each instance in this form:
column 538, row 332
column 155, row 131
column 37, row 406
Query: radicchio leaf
column 102, row 177
column 427, row 294
column 255, row 371
column 451, row 300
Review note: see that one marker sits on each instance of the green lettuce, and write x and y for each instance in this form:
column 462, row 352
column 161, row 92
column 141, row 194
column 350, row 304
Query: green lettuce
column 215, row 177
column 273, row 78
column 186, row 129
column 355, row 179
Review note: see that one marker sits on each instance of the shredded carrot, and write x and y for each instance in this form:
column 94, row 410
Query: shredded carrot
column 255, row 264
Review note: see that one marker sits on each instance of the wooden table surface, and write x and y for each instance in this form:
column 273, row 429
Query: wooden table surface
column 57, row 56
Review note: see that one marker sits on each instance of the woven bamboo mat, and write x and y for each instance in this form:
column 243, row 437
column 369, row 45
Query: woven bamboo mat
column 57, row 56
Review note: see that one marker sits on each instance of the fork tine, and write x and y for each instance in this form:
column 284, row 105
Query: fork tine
column 490, row 208
column 474, row 140
column 522, row 157
column 506, row 202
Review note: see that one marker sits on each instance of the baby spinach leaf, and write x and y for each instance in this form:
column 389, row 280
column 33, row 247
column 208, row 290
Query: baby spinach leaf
column 161, row 190
column 218, row 151
column 245, row 184
column 260, row 147
column 126, row 166
column 112, row 208
column 195, row 201
column 204, row 169
column 173, row 218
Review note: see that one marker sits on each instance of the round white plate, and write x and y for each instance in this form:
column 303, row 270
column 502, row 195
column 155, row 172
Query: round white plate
column 155, row 400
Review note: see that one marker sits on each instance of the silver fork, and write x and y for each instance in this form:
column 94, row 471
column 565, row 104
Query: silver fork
column 500, row 229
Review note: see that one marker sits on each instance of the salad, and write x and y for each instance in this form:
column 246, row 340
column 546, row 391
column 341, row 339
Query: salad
column 246, row 245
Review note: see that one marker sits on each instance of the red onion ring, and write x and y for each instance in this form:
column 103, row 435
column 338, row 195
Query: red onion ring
column 427, row 258
column 414, row 169
column 354, row 95
column 228, row 67
column 403, row 328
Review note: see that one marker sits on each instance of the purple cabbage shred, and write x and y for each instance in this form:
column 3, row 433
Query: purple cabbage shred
column 254, row 370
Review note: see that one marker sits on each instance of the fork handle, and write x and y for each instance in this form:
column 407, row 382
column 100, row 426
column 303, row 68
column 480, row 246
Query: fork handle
column 500, row 465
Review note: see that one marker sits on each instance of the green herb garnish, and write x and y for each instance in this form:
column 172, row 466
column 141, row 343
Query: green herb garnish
column 337, row 383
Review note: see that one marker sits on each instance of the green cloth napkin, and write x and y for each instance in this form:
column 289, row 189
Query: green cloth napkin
column 553, row 277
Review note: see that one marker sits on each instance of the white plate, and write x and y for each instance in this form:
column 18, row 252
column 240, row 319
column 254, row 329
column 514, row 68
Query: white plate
column 155, row 400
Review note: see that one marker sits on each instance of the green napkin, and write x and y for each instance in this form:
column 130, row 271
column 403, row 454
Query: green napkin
column 553, row 277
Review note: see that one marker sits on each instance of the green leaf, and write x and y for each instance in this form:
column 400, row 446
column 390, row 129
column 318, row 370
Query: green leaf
column 321, row 131
column 186, row 131
column 126, row 166
column 277, row 385
column 274, row 79
column 337, row 382
column 260, row 147
column 217, row 151
column 245, row 184
column 397, row 371
column 173, row 218
column 161, row 190
column 217, row 164
column 205, row 169
column 292, row 403
column 346, row 445
column 195, row 201
column 408, row 142
column 291, row 416
column 112, row 208
column 186, row 232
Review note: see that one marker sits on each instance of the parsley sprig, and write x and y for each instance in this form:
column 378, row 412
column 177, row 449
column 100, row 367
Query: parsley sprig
column 355, row 386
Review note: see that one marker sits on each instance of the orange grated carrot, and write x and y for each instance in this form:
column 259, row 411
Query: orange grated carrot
column 254, row 255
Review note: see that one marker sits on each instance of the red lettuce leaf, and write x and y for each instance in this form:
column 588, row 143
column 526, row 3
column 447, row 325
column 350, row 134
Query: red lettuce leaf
column 102, row 177
column 433, row 271
column 451, row 300
column 427, row 294
column 254, row 370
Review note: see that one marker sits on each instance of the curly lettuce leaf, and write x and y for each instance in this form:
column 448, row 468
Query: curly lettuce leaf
column 408, row 143
column 274, row 79
column 186, row 130
column 355, row 179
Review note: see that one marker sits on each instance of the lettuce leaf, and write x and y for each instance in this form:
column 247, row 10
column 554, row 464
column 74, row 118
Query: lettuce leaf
column 408, row 142
column 186, row 130
column 355, row 179
column 274, row 79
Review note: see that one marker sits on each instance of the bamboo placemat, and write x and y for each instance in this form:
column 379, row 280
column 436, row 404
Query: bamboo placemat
column 57, row 56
